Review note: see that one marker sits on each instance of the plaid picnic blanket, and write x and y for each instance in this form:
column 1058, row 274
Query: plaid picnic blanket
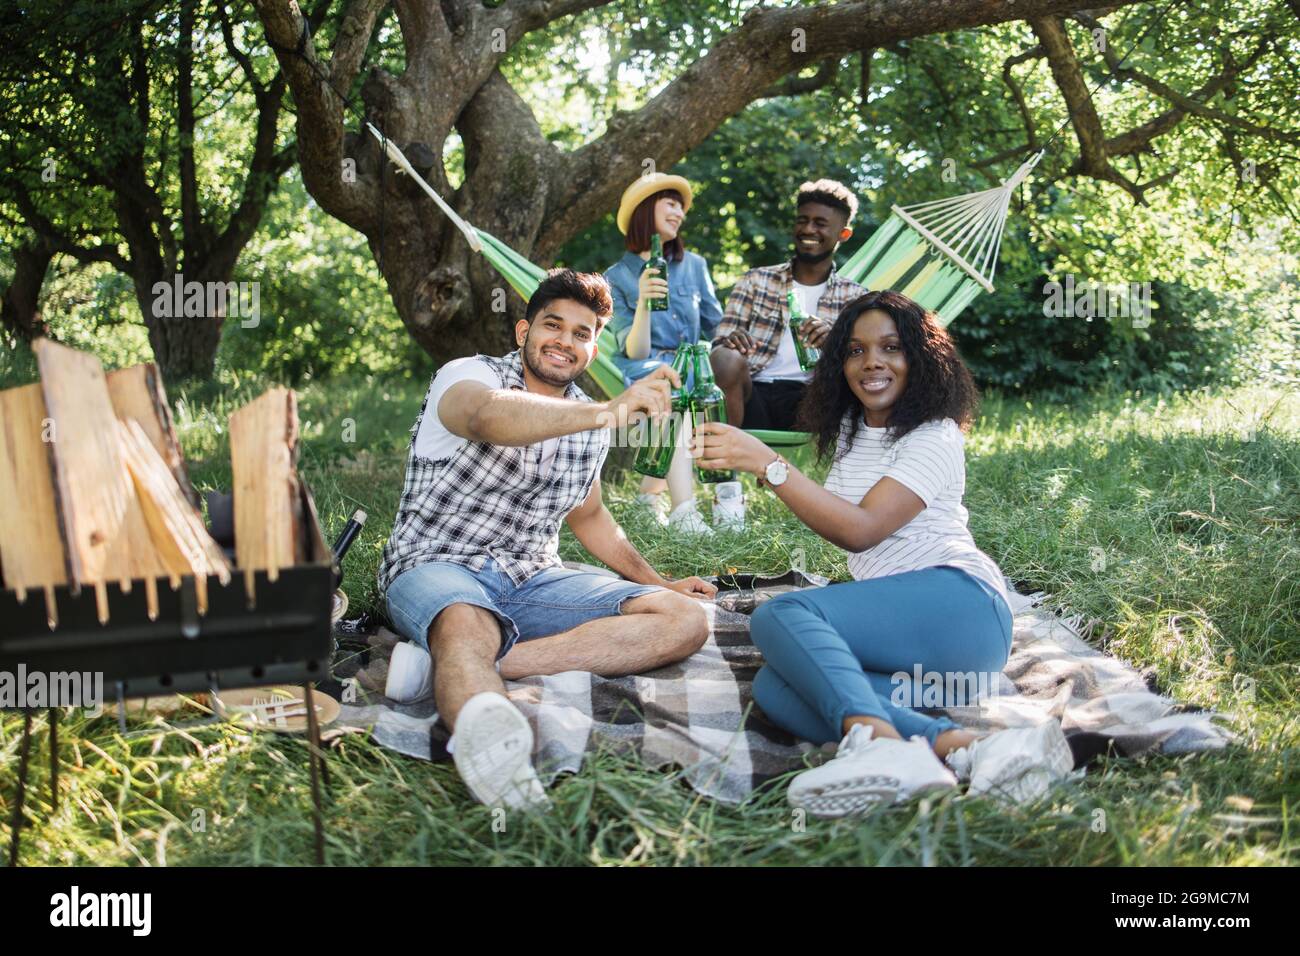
column 699, row 714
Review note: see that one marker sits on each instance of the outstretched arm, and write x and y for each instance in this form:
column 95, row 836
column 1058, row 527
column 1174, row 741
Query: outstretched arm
column 505, row 416
column 598, row 532
column 882, row 511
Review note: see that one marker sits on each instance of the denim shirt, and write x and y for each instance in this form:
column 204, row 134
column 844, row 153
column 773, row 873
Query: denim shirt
column 693, row 311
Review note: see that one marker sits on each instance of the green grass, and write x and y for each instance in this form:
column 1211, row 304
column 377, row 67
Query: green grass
column 1168, row 525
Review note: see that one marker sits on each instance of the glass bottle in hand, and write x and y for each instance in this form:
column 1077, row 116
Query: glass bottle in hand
column 658, row 262
column 708, row 404
column 808, row 355
column 655, row 455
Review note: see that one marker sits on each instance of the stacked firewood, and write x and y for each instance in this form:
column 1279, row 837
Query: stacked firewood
column 94, row 490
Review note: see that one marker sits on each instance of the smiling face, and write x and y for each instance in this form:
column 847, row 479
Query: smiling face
column 668, row 217
column 875, row 366
column 818, row 229
column 558, row 344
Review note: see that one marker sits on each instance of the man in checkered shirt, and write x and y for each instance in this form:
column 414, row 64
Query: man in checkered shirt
column 754, row 359
column 503, row 451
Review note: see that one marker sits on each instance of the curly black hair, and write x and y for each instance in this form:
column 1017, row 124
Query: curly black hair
column 938, row 383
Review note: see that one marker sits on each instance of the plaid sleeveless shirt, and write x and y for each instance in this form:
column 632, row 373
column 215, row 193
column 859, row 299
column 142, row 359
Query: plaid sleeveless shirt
column 492, row 501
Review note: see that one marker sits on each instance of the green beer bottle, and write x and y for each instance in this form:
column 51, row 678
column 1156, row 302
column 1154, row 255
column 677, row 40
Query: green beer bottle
column 655, row 455
column 708, row 404
column 808, row 355
column 657, row 261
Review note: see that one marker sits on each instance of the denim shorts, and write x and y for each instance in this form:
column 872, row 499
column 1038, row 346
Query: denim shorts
column 550, row 602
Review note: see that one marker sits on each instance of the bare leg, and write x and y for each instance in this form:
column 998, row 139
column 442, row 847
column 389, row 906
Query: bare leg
column 653, row 630
column 879, row 728
column 951, row 740
column 464, row 640
column 731, row 372
column 652, row 486
column 944, row 744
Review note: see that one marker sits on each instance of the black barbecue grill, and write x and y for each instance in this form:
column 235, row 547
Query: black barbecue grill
column 277, row 632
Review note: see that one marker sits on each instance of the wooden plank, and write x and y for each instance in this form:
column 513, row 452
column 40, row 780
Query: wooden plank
column 178, row 532
column 263, row 460
column 104, row 529
column 138, row 394
column 31, row 544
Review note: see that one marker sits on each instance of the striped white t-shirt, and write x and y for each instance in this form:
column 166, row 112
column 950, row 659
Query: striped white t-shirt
column 929, row 460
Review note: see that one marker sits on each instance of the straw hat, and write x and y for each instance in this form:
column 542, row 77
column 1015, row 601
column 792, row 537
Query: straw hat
column 645, row 186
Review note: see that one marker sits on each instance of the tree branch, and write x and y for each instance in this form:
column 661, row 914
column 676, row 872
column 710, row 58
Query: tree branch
column 736, row 70
column 864, row 80
column 192, row 233
column 1008, row 77
column 265, row 168
column 352, row 39
column 1068, row 75
column 239, row 56
column 51, row 237
column 1194, row 103
column 527, row 15
column 795, row 85
column 318, row 94
column 1097, row 150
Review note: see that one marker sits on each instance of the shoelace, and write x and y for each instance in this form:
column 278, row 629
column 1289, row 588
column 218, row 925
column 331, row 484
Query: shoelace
column 855, row 741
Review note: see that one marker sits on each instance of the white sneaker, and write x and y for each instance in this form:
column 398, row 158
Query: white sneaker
column 410, row 674
column 493, row 748
column 1019, row 765
column 866, row 772
column 729, row 508
column 687, row 519
column 655, row 505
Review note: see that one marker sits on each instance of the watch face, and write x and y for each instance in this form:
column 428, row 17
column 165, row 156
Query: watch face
column 777, row 472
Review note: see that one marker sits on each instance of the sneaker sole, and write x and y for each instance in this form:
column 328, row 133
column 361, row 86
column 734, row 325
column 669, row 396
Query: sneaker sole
column 494, row 758
column 847, row 798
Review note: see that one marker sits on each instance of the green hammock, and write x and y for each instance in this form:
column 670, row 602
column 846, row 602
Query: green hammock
column 941, row 254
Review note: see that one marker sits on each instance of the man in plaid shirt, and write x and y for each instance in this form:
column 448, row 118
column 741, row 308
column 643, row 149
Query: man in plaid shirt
column 503, row 451
column 754, row 359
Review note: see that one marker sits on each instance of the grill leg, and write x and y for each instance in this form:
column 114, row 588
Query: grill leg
column 54, row 760
column 317, row 763
column 20, row 794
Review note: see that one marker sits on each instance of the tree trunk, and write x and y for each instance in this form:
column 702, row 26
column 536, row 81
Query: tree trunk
column 20, row 306
column 184, row 346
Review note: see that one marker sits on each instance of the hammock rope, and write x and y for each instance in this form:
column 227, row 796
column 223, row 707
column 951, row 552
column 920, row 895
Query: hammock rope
column 400, row 160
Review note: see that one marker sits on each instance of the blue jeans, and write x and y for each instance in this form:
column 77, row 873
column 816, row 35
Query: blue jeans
column 550, row 602
column 840, row 651
column 635, row 369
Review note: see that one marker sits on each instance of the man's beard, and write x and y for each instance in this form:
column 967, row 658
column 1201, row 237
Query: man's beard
column 813, row 258
column 533, row 359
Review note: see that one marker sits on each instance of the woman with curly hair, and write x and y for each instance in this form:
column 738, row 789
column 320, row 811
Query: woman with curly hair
column 890, row 399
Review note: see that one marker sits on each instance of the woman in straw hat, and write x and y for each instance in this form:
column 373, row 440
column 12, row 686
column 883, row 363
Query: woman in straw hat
column 658, row 203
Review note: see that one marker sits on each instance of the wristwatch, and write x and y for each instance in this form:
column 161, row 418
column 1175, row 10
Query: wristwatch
column 776, row 473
